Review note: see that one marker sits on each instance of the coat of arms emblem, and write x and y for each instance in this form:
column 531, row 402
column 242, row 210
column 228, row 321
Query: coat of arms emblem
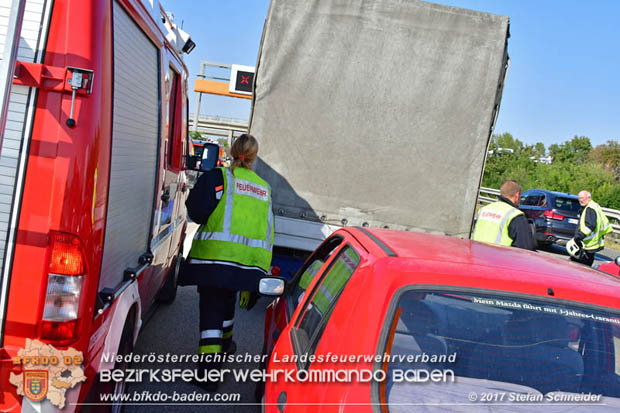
column 35, row 384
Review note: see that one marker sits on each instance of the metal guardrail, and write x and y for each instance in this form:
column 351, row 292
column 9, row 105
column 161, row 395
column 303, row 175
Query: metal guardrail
column 488, row 195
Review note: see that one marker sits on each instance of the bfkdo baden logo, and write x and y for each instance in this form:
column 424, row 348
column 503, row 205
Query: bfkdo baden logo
column 35, row 384
column 47, row 373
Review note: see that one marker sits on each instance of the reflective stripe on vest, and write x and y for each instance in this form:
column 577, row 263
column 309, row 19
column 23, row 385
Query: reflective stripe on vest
column 594, row 239
column 493, row 222
column 226, row 235
column 240, row 229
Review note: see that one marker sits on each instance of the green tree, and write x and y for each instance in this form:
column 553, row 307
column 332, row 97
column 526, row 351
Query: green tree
column 576, row 166
column 576, row 150
column 502, row 166
column 223, row 142
column 539, row 149
column 608, row 156
column 196, row 135
column 506, row 141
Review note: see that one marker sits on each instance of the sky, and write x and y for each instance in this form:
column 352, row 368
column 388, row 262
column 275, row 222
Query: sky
column 564, row 77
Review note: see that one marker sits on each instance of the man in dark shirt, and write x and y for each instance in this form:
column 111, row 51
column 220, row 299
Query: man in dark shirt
column 502, row 223
column 519, row 228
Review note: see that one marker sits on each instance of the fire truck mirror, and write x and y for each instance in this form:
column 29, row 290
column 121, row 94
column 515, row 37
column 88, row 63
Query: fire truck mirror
column 210, row 156
column 206, row 161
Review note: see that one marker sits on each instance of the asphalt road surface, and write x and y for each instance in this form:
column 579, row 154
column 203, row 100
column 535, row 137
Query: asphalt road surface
column 174, row 329
column 559, row 252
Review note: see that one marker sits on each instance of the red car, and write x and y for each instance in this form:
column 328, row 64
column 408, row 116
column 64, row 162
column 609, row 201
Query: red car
column 381, row 319
column 612, row 267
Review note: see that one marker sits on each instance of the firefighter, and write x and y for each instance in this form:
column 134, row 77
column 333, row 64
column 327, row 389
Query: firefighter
column 502, row 223
column 590, row 233
column 231, row 249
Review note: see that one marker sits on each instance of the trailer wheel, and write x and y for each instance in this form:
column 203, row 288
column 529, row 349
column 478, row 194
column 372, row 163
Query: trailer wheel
column 168, row 292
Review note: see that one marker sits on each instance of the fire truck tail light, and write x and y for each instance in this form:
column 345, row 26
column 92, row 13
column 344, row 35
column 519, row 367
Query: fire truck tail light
column 66, row 255
column 58, row 331
column 65, row 280
column 63, row 297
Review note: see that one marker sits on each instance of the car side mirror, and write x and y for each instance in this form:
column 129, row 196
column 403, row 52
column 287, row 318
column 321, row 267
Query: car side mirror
column 617, row 260
column 205, row 162
column 273, row 286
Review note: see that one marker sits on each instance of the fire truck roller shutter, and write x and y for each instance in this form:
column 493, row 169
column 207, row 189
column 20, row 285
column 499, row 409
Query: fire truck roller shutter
column 18, row 125
column 133, row 167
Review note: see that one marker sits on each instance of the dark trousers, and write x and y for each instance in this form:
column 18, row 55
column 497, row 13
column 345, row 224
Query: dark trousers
column 217, row 312
column 587, row 258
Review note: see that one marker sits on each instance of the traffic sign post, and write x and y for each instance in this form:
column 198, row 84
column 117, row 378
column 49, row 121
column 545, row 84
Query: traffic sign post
column 239, row 84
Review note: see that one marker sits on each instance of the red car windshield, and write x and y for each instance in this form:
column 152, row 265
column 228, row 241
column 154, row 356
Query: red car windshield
column 488, row 344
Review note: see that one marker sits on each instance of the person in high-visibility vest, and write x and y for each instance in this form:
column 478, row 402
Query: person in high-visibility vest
column 232, row 248
column 502, row 223
column 592, row 228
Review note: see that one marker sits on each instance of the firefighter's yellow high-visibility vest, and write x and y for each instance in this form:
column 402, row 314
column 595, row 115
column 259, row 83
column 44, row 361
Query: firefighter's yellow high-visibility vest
column 493, row 222
column 594, row 239
column 240, row 229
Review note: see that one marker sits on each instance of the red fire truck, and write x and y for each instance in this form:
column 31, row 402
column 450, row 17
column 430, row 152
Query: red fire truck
column 92, row 178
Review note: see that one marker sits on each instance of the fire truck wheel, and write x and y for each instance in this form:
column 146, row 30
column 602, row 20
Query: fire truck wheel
column 124, row 347
column 111, row 387
column 168, row 292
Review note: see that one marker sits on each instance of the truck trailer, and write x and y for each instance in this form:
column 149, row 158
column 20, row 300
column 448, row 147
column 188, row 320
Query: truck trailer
column 92, row 187
column 374, row 114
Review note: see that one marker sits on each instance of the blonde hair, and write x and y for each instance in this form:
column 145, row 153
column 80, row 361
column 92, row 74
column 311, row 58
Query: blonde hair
column 243, row 151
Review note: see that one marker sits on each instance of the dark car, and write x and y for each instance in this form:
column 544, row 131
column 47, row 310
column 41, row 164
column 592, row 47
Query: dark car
column 553, row 216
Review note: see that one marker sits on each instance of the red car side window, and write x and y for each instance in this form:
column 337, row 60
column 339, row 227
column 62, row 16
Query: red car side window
column 308, row 271
column 325, row 295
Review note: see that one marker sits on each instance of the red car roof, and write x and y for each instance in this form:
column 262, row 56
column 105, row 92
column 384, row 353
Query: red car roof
column 454, row 261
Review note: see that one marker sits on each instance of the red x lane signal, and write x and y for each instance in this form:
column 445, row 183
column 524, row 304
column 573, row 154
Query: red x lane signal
column 241, row 79
column 244, row 82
